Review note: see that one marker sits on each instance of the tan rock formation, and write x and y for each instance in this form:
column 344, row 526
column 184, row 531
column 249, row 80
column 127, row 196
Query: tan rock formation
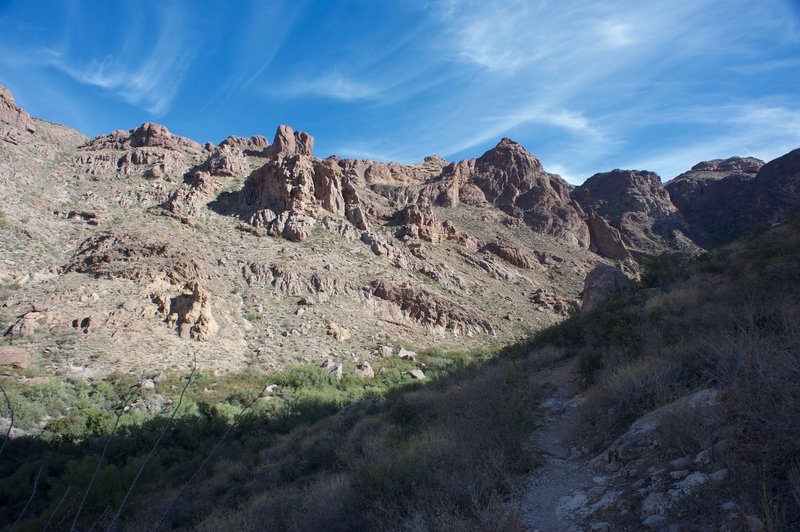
column 13, row 115
column 293, row 189
column 148, row 135
column 182, row 302
column 14, row 356
column 431, row 310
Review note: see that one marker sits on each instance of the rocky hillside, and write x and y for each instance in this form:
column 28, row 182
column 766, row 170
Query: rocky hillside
column 451, row 345
column 139, row 248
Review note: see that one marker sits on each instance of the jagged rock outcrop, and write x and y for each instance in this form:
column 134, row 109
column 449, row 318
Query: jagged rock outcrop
column 431, row 310
column 292, row 189
column 180, row 298
column 201, row 184
column 716, row 198
column 24, row 325
column 12, row 115
column 289, row 142
column 510, row 253
column 134, row 256
column 148, row 135
column 383, row 248
column 606, row 240
column 286, row 279
column 188, row 312
column 511, row 179
column 552, row 302
column 419, row 221
column 367, row 173
column 778, row 189
column 637, row 205
column 601, row 283
column 151, row 151
column 251, row 146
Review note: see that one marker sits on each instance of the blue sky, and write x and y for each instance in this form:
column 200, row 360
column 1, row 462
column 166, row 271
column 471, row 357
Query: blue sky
column 586, row 86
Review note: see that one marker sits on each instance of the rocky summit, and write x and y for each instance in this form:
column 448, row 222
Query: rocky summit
column 247, row 251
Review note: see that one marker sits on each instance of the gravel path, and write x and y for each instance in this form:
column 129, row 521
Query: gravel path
column 559, row 488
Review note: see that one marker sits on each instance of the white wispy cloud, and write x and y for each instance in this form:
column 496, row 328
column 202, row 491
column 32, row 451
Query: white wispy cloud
column 150, row 80
column 761, row 130
column 334, row 85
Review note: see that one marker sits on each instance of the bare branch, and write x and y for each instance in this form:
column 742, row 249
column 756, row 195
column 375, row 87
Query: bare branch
column 30, row 499
column 209, row 455
column 58, row 506
column 11, row 425
column 103, row 455
column 167, row 425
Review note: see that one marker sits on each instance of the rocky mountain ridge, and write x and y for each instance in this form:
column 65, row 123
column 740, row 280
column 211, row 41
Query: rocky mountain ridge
column 251, row 252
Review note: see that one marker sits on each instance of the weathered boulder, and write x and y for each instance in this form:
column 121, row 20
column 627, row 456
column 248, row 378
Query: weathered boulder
column 417, row 374
column 332, row 368
column 339, row 333
column 365, row 371
column 601, row 283
column 14, row 356
column 190, row 312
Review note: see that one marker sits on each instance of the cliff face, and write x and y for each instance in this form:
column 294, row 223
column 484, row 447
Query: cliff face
column 715, row 198
column 635, row 204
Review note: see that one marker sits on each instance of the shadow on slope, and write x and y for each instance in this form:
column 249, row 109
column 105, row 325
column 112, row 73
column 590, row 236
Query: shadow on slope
column 404, row 453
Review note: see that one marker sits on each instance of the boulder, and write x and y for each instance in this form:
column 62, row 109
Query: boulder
column 339, row 333
column 417, row 374
column 332, row 368
column 385, row 351
column 191, row 314
column 405, row 354
column 601, row 283
column 365, row 370
column 15, row 357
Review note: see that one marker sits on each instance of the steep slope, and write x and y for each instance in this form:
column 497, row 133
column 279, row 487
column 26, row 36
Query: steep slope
column 296, row 258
